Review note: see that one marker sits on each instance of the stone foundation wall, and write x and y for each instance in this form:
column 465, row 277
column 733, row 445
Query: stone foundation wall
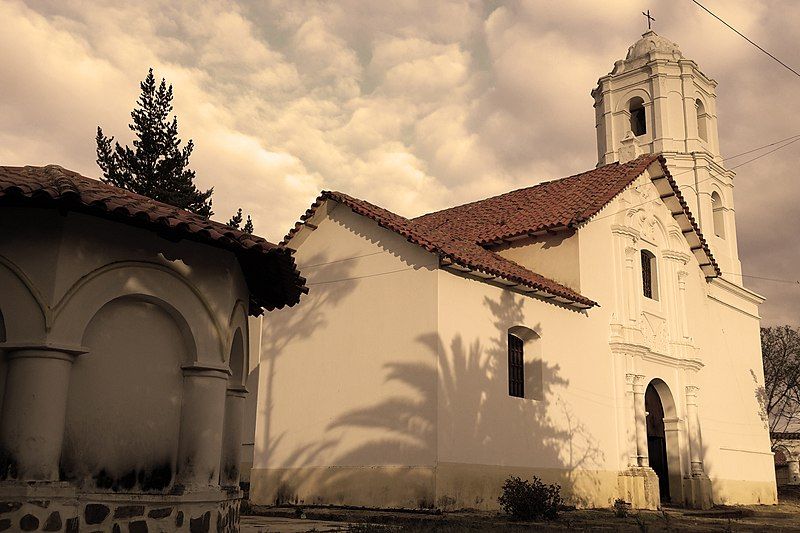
column 117, row 513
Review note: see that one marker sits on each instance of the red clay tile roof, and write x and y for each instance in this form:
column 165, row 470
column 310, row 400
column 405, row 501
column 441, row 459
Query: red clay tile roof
column 454, row 248
column 270, row 271
column 559, row 203
column 462, row 234
column 563, row 203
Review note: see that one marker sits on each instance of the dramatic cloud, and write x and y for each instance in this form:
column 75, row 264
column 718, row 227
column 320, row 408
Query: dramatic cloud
column 414, row 105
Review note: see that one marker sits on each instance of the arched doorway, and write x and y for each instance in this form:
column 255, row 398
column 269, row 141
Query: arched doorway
column 657, row 440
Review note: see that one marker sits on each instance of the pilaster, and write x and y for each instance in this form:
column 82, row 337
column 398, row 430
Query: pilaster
column 34, row 410
column 641, row 420
column 202, row 419
column 699, row 485
column 232, row 436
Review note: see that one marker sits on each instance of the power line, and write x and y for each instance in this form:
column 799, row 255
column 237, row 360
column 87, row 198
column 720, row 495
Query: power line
column 761, row 147
column 765, row 154
column 777, row 280
column 746, row 38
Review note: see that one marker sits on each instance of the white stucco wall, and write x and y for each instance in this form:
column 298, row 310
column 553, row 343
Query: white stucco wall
column 347, row 379
column 486, row 435
column 736, row 440
column 554, row 256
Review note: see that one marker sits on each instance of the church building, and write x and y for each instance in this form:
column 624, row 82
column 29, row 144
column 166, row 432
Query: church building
column 592, row 331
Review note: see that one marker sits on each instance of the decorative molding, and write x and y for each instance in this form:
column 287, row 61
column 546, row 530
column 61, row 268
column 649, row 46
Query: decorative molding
column 628, row 348
column 675, row 256
column 691, row 394
column 738, row 290
column 210, row 370
column 44, row 350
column 625, row 231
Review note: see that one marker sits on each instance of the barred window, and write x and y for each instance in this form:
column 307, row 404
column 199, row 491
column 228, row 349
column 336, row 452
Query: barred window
column 649, row 280
column 516, row 366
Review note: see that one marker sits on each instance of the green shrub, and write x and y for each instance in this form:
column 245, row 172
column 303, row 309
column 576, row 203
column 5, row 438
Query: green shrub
column 530, row 500
column 621, row 508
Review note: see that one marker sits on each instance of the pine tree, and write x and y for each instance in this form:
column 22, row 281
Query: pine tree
column 157, row 166
column 236, row 219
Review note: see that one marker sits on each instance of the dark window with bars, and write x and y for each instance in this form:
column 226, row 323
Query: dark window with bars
column 516, row 367
column 647, row 273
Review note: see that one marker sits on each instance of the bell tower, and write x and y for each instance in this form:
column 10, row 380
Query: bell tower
column 657, row 101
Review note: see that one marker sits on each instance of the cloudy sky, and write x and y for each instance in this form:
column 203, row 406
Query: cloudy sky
column 413, row 105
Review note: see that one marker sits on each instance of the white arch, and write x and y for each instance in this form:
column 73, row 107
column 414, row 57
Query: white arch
column 622, row 104
column 675, row 454
column 146, row 281
column 25, row 312
column 238, row 323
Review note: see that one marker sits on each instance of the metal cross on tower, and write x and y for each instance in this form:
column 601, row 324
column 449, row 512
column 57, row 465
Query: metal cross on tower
column 649, row 18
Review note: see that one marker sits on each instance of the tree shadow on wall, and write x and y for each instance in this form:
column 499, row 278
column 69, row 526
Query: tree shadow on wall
column 330, row 283
column 279, row 332
column 463, row 386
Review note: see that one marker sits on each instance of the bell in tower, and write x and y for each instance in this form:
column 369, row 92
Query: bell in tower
column 657, row 101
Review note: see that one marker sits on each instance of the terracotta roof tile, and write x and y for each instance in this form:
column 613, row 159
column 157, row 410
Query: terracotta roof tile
column 269, row 269
column 453, row 247
column 559, row 203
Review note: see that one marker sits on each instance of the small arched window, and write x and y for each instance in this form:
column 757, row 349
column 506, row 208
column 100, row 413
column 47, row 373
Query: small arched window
column 516, row 366
column 649, row 275
column 702, row 119
column 719, row 214
column 525, row 378
column 638, row 120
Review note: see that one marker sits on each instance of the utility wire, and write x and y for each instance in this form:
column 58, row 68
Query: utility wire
column 777, row 280
column 760, row 148
column 765, row 154
column 746, row 38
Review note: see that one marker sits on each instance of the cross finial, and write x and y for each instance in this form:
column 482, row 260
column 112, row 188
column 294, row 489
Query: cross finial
column 649, row 18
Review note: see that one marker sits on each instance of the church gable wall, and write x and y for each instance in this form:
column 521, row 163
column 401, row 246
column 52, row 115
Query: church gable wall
column 698, row 336
column 347, row 384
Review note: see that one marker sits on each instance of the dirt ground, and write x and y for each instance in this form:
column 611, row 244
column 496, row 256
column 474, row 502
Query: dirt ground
column 782, row 517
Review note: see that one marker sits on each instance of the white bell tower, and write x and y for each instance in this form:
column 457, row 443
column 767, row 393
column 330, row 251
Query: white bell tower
column 659, row 101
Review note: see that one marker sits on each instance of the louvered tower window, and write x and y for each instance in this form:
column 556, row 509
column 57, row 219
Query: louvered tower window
column 516, row 372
